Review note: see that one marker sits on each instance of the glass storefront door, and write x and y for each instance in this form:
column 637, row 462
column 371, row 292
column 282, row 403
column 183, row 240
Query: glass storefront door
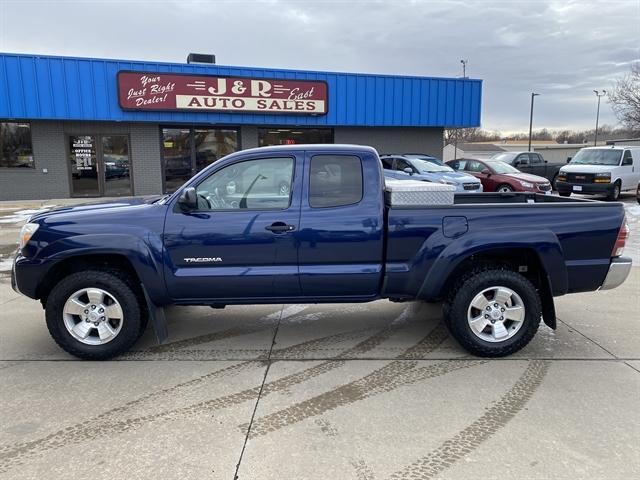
column 100, row 165
column 84, row 166
column 116, row 171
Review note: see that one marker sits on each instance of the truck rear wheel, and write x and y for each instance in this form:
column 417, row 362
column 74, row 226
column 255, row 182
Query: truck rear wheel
column 95, row 315
column 493, row 313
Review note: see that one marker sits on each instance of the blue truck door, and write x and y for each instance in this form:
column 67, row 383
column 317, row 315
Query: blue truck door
column 240, row 242
column 341, row 225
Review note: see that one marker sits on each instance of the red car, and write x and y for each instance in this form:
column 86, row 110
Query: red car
column 497, row 176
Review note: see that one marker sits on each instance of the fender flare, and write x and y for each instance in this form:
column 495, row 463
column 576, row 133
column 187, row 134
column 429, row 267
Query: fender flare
column 144, row 255
column 543, row 243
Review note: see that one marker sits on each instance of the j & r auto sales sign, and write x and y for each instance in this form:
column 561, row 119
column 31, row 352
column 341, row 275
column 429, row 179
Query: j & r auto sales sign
column 161, row 91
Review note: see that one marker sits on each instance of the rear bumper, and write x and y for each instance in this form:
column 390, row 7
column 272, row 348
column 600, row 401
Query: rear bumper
column 588, row 188
column 619, row 270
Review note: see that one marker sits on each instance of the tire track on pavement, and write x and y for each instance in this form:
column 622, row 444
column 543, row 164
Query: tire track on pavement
column 110, row 423
column 384, row 379
column 471, row 437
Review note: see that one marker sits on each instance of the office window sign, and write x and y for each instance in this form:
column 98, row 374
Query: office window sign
column 83, row 152
column 203, row 93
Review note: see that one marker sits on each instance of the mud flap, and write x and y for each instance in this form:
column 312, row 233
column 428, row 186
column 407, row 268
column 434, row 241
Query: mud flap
column 156, row 315
column 548, row 306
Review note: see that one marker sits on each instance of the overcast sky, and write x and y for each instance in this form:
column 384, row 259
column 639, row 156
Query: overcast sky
column 561, row 49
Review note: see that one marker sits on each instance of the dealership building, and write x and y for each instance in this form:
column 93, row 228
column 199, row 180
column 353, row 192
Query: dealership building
column 90, row 127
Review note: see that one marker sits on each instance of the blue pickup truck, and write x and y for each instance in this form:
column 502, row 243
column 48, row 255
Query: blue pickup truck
column 234, row 234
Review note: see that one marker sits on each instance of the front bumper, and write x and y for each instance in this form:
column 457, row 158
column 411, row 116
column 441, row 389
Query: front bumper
column 619, row 270
column 587, row 188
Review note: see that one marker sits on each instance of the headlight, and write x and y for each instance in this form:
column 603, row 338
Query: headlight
column 562, row 177
column 604, row 177
column 26, row 233
column 446, row 182
column 526, row 184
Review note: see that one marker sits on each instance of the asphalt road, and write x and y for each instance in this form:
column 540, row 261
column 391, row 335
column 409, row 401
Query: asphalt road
column 374, row 391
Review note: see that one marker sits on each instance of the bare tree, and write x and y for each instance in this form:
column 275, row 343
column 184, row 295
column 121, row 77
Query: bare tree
column 625, row 98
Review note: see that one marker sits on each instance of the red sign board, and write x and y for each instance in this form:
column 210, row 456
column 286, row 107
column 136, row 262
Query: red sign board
column 207, row 93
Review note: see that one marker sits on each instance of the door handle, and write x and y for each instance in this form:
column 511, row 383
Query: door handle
column 280, row 227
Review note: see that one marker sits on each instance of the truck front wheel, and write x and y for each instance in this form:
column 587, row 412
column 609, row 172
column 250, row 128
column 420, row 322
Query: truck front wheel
column 95, row 315
column 493, row 313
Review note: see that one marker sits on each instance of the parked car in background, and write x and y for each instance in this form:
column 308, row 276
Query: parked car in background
column 601, row 170
column 404, row 167
column 531, row 162
column 497, row 176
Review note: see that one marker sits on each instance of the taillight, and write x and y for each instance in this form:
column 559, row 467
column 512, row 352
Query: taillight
column 623, row 234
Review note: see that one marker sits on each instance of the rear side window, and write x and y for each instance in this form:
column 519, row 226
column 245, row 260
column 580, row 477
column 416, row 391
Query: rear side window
column 387, row 163
column 335, row 180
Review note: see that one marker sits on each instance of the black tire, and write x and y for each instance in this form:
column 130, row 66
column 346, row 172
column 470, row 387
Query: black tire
column 118, row 285
column 507, row 187
column 553, row 182
column 615, row 193
column 564, row 194
column 459, row 300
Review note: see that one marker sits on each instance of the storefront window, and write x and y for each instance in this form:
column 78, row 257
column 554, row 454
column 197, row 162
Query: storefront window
column 15, row 145
column 212, row 145
column 186, row 151
column 293, row 136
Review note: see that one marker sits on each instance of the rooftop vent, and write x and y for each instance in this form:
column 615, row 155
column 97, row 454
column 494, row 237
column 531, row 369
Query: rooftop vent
column 201, row 58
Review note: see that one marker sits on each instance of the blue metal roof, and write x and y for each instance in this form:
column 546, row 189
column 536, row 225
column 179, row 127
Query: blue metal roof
column 66, row 88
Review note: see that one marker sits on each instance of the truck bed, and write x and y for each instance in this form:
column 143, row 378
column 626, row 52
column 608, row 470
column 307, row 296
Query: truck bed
column 573, row 239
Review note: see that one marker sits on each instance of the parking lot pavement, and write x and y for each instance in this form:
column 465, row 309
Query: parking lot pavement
column 375, row 391
column 366, row 391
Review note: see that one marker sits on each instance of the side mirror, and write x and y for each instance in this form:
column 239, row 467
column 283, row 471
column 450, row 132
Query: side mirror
column 188, row 199
column 568, row 159
column 408, row 170
column 486, row 171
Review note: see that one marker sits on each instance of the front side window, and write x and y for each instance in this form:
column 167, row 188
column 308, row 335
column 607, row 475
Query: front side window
column 627, row 159
column 335, row 181
column 402, row 164
column 261, row 184
column 15, row 145
column 474, row 166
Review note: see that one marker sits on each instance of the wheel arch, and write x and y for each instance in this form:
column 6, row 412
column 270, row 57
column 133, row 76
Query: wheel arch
column 81, row 262
column 547, row 272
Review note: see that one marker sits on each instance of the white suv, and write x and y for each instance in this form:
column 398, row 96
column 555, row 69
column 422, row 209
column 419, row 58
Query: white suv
column 601, row 170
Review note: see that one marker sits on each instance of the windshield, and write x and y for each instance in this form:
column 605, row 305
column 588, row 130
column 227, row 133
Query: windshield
column 425, row 166
column 504, row 157
column 597, row 157
column 501, row 167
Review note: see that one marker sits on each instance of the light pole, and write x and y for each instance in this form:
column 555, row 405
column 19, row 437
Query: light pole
column 464, row 68
column 598, row 94
column 533, row 95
